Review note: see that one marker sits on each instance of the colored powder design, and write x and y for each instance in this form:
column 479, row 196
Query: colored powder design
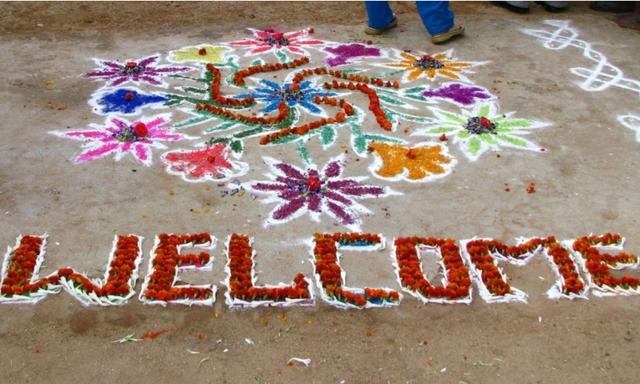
column 344, row 54
column 127, row 101
column 459, row 93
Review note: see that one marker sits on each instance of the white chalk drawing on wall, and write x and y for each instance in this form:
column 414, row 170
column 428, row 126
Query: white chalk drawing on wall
column 600, row 77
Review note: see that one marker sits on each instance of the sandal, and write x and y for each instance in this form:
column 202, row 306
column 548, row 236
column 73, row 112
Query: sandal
column 380, row 31
column 446, row 36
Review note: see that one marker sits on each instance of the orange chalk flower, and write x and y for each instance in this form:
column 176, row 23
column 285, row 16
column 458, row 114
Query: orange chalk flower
column 414, row 164
column 441, row 64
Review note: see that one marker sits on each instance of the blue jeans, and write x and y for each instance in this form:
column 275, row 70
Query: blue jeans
column 435, row 15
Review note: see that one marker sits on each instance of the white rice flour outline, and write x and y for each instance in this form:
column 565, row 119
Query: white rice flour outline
column 601, row 77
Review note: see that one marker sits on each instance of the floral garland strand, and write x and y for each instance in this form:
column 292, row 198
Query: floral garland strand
column 482, row 255
column 456, row 281
column 20, row 269
column 241, row 281
column 330, row 276
column 119, row 280
column 166, row 261
column 569, row 284
column 597, row 265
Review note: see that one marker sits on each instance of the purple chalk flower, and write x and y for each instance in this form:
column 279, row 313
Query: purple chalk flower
column 136, row 71
column 299, row 191
column 343, row 54
column 459, row 93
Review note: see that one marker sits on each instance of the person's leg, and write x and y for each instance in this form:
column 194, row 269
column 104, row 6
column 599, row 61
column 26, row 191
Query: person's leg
column 435, row 15
column 379, row 13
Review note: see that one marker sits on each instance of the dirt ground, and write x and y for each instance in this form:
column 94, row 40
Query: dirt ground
column 586, row 182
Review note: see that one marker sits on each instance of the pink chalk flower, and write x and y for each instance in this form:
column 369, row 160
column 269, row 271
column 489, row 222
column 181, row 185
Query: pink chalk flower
column 274, row 40
column 119, row 137
column 137, row 71
column 211, row 163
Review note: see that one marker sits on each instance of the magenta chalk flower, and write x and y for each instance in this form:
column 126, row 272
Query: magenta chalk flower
column 120, row 137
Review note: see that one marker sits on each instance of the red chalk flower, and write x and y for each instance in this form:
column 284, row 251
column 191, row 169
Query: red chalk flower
column 210, row 163
column 272, row 40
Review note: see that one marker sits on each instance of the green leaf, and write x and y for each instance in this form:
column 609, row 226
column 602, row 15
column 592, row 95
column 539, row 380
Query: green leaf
column 194, row 90
column 248, row 132
column 327, row 136
column 282, row 56
column 514, row 123
column 415, row 97
column 406, row 116
column 360, row 144
column 286, row 139
column 303, row 152
column 390, row 73
column 441, row 130
column 356, row 130
column 414, row 90
column 448, row 116
column 194, row 121
column 257, row 62
column 220, row 127
column 236, row 146
column 464, row 134
column 484, row 110
column 224, row 140
column 350, row 71
column 383, row 138
column 188, row 78
column 513, row 140
column 390, row 100
column 474, row 146
column 488, row 138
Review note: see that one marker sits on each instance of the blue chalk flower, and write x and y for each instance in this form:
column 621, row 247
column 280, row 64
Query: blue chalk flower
column 273, row 93
column 126, row 101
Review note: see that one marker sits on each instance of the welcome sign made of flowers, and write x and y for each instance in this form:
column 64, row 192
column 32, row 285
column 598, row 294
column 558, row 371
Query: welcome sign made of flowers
column 208, row 101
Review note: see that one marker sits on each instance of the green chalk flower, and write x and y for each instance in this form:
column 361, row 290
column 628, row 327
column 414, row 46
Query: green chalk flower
column 481, row 129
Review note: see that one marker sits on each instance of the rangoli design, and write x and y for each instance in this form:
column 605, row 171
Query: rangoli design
column 210, row 101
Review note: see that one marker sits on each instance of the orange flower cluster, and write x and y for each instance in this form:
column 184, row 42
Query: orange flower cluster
column 120, row 270
column 165, row 267
column 598, row 263
column 21, row 266
column 351, row 77
column 480, row 253
column 566, row 267
column 215, row 91
column 241, row 277
column 283, row 111
column 330, row 273
column 374, row 101
column 305, row 128
column 238, row 78
column 412, row 277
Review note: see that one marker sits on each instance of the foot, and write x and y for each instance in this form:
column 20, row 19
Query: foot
column 513, row 6
column 440, row 38
column 380, row 31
